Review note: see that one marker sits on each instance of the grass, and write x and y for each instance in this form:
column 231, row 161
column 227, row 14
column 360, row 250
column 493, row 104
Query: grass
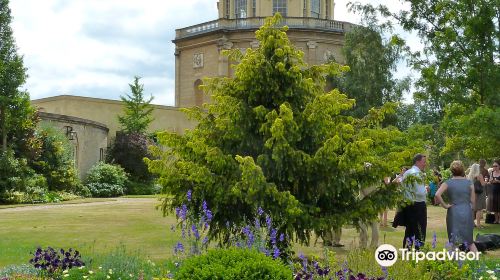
column 99, row 228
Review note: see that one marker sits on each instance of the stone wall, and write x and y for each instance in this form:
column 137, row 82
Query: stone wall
column 89, row 138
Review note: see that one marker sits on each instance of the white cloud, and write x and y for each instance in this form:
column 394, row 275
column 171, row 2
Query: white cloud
column 96, row 47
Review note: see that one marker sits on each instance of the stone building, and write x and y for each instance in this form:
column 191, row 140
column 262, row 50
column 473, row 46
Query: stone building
column 198, row 54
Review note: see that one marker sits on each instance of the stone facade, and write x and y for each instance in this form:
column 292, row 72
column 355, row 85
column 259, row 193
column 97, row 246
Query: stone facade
column 89, row 138
column 199, row 48
column 106, row 111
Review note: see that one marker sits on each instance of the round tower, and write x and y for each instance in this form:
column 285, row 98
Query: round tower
column 198, row 51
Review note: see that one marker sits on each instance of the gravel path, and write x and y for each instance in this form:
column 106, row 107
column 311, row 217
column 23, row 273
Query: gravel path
column 119, row 200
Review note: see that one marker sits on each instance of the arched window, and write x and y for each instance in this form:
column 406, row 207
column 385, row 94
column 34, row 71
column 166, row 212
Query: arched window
column 240, row 8
column 198, row 93
column 315, row 8
column 279, row 6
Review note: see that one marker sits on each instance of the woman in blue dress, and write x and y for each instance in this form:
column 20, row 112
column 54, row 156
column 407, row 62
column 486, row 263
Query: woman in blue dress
column 459, row 219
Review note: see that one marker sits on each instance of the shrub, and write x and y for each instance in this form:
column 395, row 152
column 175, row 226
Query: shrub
column 105, row 190
column 135, row 188
column 105, row 180
column 56, row 161
column 18, row 179
column 233, row 263
column 129, row 151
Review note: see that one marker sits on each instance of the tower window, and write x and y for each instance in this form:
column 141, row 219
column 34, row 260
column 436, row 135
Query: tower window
column 240, row 8
column 228, row 8
column 254, row 8
column 315, row 8
column 279, row 6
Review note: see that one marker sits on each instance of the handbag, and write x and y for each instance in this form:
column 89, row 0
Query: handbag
column 478, row 189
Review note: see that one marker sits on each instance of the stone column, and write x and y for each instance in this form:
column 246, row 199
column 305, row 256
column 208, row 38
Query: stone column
column 223, row 65
column 177, row 77
column 311, row 52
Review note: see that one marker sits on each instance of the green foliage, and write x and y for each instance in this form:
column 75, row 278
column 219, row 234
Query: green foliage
column 56, row 162
column 129, row 150
column 18, row 182
column 138, row 111
column 273, row 138
column 476, row 132
column 140, row 188
column 447, row 270
column 14, row 104
column 233, row 264
column 118, row 264
column 371, row 60
column 461, row 44
column 106, row 180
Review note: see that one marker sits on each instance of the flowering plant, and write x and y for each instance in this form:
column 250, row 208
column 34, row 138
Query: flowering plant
column 52, row 261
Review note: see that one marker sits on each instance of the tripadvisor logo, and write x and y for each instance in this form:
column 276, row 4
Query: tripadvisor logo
column 387, row 255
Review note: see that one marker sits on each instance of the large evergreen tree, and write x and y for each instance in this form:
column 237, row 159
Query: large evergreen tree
column 273, row 138
column 15, row 109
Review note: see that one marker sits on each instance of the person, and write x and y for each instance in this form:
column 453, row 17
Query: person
column 399, row 177
column 434, row 184
column 494, row 191
column 414, row 215
column 477, row 179
column 459, row 219
column 483, row 170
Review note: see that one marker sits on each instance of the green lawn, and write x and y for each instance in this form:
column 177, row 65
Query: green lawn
column 99, row 227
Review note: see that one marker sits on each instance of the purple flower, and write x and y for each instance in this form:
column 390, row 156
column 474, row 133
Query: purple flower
column 195, row 232
column 246, row 231
column 178, row 248
column 268, row 221
column 183, row 212
column 274, row 232
column 385, row 271
column 434, row 240
column 205, row 241
column 282, row 237
column 276, row 253
column 250, row 241
column 260, row 211
column 177, row 212
column 206, row 212
column 257, row 223
column 189, row 193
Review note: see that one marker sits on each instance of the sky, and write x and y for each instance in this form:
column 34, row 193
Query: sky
column 95, row 48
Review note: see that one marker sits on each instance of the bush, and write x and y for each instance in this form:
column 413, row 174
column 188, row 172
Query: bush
column 106, row 180
column 105, row 190
column 56, row 161
column 129, row 151
column 135, row 188
column 235, row 264
column 18, row 179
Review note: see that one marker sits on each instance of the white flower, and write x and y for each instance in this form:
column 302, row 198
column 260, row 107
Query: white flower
column 108, row 276
column 493, row 277
column 65, row 275
column 100, row 267
column 110, row 271
column 81, row 267
column 131, row 275
column 91, row 272
column 85, row 277
column 65, row 271
column 490, row 271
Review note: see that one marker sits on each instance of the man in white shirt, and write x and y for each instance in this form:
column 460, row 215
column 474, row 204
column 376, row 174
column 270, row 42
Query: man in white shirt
column 415, row 214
